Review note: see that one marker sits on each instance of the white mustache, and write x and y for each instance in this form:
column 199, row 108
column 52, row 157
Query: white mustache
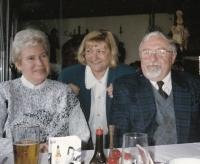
column 152, row 64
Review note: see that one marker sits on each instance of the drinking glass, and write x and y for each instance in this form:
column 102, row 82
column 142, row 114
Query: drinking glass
column 26, row 143
column 134, row 148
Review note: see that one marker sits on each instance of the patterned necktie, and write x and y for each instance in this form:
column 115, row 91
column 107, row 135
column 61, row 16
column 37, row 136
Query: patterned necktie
column 160, row 90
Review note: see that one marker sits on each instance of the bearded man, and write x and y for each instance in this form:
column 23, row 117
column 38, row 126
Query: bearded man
column 158, row 101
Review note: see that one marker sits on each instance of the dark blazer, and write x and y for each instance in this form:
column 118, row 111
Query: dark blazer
column 76, row 74
column 133, row 108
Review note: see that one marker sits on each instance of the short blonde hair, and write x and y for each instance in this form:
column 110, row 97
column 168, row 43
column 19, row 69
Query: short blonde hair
column 95, row 38
column 26, row 38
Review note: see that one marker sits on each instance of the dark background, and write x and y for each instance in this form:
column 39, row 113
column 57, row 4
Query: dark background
column 60, row 9
column 53, row 9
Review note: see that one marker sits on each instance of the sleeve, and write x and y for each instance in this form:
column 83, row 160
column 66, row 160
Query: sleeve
column 6, row 143
column 77, row 122
column 119, row 113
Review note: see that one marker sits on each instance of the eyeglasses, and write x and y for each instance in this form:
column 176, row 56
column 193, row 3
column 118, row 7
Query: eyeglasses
column 160, row 53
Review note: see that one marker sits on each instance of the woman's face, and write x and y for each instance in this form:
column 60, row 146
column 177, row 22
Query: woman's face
column 34, row 64
column 98, row 58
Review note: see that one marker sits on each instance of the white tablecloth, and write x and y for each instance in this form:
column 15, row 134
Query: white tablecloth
column 162, row 153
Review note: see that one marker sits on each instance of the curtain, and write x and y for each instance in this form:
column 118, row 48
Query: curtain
column 7, row 30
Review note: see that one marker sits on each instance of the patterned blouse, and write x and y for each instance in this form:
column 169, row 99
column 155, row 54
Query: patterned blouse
column 53, row 106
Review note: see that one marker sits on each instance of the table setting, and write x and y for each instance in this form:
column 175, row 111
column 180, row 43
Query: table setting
column 135, row 149
column 161, row 153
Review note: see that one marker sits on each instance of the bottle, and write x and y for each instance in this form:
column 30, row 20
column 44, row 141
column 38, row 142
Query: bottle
column 112, row 159
column 58, row 155
column 99, row 157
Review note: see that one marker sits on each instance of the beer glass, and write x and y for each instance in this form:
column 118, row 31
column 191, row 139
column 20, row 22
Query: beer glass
column 26, row 143
column 134, row 148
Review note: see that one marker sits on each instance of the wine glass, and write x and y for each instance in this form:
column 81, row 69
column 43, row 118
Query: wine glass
column 134, row 148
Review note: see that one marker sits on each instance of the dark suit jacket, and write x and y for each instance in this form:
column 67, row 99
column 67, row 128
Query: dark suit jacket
column 76, row 74
column 133, row 107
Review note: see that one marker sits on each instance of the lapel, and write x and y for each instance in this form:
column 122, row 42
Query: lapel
column 146, row 104
column 182, row 100
column 145, row 94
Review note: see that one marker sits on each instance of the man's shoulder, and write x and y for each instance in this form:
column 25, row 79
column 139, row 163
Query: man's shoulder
column 184, row 76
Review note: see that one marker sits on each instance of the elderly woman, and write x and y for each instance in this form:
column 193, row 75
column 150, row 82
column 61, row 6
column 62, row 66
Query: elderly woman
column 35, row 99
column 98, row 68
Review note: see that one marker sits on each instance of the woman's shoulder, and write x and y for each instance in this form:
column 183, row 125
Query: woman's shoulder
column 59, row 89
column 10, row 83
column 57, row 84
column 72, row 69
column 72, row 73
column 125, row 67
column 122, row 69
column 135, row 77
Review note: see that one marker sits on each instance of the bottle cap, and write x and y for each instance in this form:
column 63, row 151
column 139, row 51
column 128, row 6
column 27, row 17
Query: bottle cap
column 99, row 131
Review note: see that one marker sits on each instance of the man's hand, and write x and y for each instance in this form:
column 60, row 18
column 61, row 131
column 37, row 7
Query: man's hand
column 110, row 90
column 75, row 88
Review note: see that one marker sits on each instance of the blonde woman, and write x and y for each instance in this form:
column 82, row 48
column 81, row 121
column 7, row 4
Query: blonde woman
column 98, row 68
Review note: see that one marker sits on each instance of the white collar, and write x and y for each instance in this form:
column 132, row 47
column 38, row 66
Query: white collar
column 30, row 85
column 167, row 87
column 91, row 81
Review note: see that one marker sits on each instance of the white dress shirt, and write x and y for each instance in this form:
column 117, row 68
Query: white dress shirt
column 98, row 102
column 167, row 86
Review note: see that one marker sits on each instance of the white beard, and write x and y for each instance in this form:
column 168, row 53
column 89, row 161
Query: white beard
column 153, row 73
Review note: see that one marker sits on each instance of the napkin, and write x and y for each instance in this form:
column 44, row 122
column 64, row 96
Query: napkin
column 65, row 150
column 144, row 156
column 184, row 161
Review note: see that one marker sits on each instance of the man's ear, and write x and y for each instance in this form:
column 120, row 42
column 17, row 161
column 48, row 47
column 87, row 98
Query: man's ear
column 174, row 57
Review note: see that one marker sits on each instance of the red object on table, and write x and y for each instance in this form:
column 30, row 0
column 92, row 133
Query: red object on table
column 112, row 160
column 127, row 156
column 117, row 153
column 115, row 159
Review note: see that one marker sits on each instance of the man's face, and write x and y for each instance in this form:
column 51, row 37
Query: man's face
column 154, row 68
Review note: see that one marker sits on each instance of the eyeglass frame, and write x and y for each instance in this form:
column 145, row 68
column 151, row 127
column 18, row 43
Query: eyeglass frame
column 154, row 52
